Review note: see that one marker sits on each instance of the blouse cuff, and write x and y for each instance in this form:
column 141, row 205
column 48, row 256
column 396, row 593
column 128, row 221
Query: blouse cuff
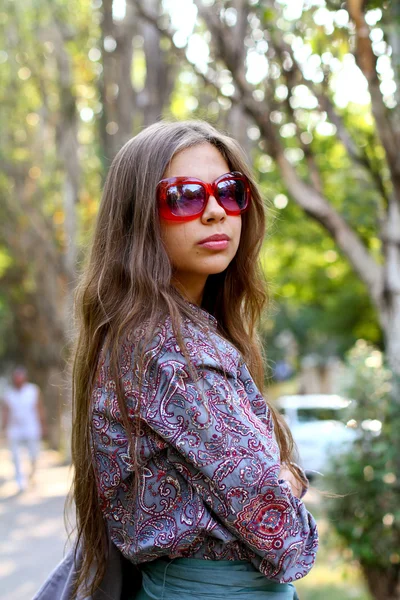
column 303, row 477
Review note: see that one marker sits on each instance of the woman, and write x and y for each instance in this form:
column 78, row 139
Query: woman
column 179, row 462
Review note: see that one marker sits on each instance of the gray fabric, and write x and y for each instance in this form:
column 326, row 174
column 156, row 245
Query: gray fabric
column 58, row 586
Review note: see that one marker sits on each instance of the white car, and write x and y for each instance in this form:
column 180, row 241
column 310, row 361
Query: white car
column 318, row 426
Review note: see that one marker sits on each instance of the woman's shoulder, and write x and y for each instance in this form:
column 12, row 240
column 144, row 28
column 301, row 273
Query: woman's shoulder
column 195, row 338
column 158, row 345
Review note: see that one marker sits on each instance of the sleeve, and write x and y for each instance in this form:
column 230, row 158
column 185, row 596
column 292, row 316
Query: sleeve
column 4, row 399
column 260, row 408
column 301, row 473
column 231, row 458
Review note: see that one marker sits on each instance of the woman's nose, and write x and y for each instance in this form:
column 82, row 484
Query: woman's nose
column 213, row 210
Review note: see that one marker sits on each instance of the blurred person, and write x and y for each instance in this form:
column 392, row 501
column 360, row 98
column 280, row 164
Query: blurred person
column 182, row 469
column 23, row 421
column 282, row 371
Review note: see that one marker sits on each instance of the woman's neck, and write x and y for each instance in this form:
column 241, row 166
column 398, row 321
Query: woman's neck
column 192, row 289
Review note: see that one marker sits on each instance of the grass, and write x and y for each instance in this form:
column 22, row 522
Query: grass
column 335, row 575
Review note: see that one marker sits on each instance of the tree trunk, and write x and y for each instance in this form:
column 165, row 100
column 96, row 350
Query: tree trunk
column 67, row 152
column 237, row 125
column 57, row 389
column 117, row 94
column 152, row 97
column 383, row 584
column 161, row 69
column 392, row 30
column 390, row 304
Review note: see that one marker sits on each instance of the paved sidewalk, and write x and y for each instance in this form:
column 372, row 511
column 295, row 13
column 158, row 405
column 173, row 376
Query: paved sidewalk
column 32, row 532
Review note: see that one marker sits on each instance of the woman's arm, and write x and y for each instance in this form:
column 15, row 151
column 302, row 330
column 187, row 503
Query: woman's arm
column 299, row 485
column 41, row 413
column 231, row 458
column 5, row 414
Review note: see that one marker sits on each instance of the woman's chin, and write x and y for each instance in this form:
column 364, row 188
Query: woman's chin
column 217, row 266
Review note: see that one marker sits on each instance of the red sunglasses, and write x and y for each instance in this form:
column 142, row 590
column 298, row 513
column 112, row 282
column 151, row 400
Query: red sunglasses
column 185, row 198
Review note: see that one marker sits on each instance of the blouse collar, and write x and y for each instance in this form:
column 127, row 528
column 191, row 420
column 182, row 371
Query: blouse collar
column 202, row 313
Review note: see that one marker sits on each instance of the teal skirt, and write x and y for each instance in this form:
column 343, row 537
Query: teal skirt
column 196, row 579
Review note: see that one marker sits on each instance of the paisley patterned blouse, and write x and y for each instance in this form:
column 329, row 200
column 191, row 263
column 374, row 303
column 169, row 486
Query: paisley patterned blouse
column 208, row 485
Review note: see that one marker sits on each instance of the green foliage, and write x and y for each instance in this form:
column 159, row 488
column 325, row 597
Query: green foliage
column 315, row 292
column 367, row 518
column 335, row 575
column 35, row 36
column 5, row 261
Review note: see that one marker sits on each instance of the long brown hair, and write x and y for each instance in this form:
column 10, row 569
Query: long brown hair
column 128, row 264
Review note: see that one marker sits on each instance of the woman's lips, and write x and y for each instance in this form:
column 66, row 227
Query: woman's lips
column 218, row 241
column 215, row 244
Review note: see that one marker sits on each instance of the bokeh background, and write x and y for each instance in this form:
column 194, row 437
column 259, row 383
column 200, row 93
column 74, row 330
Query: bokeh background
column 310, row 88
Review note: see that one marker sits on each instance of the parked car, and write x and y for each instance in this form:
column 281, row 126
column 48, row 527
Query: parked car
column 318, row 425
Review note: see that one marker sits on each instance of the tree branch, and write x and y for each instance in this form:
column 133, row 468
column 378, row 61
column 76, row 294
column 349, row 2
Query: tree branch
column 312, row 202
column 309, row 198
column 325, row 104
column 180, row 53
column 366, row 61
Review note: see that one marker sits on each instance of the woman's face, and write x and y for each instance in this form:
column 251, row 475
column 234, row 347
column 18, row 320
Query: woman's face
column 193, row 261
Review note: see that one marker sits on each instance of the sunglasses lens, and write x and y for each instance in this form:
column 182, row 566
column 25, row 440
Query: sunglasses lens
column 186, row 199
column 232, row 194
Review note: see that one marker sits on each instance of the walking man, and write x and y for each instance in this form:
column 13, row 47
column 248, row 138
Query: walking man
column 24, row 421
